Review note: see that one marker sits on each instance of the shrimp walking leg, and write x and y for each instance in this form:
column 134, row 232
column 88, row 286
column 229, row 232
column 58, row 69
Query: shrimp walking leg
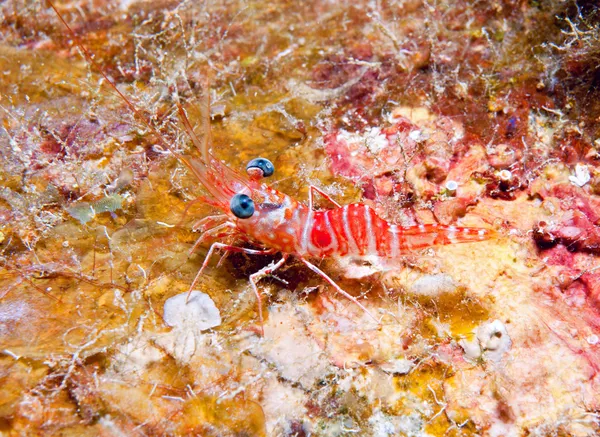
column 337, row 287
column 215, row 232
column 191, row 203
column 229, row 248
column 255, row 277
column 202, row 224
column 313, row 189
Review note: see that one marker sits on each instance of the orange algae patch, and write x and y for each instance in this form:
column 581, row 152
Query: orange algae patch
column 425, row 383
column 223, row 417
column 462, row 317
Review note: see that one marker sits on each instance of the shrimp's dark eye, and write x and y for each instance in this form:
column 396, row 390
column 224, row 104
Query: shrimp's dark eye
column 263, row 164
column 241, row 206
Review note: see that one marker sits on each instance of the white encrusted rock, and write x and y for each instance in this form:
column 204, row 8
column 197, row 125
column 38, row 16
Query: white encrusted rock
column 297, row 357
column 433, row 285
column 581, row 176
column 400, row 366
column 491, row 342
column 198, row 314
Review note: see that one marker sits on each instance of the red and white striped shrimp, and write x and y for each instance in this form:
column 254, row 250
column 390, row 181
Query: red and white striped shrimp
column 280, row 223
column 254, row 212
column 354, row 229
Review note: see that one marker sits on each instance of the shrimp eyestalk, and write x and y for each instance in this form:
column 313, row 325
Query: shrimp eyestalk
column 274, row 222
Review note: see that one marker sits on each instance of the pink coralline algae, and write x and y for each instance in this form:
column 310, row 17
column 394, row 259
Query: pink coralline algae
column 576, row 227
column 377, row 152
column 405, row 162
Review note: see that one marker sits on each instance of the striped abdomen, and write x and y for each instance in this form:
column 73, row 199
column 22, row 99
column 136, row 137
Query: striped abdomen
column 357, row 230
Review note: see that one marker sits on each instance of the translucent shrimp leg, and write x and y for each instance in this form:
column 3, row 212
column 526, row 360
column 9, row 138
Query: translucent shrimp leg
column 255, row 277
column 212, row 233
column 339, row 289
column 191, row 203
column 229, row 248
column 210, row 220
column 313, row 189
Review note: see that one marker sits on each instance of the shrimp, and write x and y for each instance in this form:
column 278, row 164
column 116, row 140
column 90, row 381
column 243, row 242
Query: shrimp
column 252, row 211
column 281, row 224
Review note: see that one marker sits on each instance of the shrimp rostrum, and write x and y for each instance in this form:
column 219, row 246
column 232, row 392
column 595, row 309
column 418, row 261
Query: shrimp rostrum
column 274, row 222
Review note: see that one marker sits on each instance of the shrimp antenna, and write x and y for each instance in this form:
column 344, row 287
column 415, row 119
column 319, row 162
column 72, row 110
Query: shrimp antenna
column 89, row 56
column 206, row 143
column 206, row 123
column 202, row 146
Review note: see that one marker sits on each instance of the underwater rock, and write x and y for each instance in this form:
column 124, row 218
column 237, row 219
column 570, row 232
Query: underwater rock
column 433, row 285
column 197, row 314
column 491, row 342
